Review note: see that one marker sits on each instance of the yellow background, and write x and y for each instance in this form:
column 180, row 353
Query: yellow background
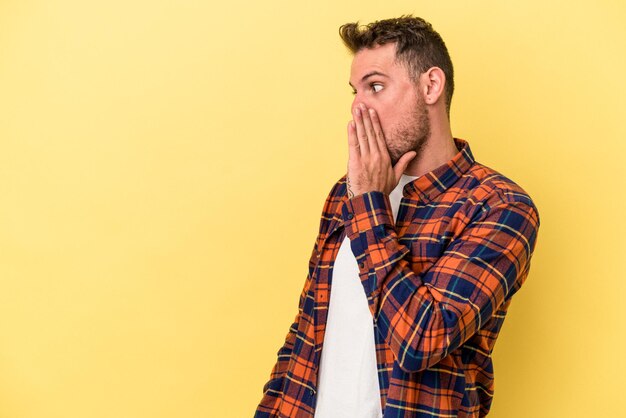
column 163, row 166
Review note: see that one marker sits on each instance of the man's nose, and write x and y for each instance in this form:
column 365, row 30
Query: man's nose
column 354, row 103
column 357, row 101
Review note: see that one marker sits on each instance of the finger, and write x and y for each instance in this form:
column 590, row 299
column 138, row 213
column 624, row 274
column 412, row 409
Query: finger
column 360, row 131
column 372, row 142
column 380, row 136
column 402, row 163
column 353, row 142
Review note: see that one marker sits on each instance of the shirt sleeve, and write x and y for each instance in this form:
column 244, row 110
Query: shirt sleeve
column 272, row 389
column 425, row 315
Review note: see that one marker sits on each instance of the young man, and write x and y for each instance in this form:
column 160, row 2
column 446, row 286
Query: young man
column 419, row 252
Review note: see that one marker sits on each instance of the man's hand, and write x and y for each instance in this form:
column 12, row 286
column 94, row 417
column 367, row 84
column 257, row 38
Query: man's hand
column 369, row 164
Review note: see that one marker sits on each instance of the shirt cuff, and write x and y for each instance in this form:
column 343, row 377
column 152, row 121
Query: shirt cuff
column 367, row 211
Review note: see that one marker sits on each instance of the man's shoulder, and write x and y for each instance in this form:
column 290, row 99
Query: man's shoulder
column 489, row 186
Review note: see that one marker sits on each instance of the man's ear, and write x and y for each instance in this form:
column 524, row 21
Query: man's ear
column 432, row 84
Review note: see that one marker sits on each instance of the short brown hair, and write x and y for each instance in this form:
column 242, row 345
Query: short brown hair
column 419, row 47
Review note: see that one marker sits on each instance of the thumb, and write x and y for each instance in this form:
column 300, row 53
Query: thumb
column 400, row 166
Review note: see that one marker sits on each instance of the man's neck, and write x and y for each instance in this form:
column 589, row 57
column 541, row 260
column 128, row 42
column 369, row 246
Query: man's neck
column 439, row 149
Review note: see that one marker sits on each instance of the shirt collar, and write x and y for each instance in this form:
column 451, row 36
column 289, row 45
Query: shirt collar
column 428, row 186
column 425, row 188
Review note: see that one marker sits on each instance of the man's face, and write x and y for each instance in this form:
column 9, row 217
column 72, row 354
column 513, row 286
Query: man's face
column 384, row 85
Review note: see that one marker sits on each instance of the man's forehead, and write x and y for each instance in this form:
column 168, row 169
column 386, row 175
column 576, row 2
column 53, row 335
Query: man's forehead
column 381, row 58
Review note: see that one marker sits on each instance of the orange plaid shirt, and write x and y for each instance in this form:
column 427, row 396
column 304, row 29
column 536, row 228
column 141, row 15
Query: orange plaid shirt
column 438, row 282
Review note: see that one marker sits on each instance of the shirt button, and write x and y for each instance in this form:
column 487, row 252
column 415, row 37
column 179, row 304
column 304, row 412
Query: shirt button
column 312, row 392
column 350, row 216
column 361, row 265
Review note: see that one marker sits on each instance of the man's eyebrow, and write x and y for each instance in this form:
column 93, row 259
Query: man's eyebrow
column 368, row 75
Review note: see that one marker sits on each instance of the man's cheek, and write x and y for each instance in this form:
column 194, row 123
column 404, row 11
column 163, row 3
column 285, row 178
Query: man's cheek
column 386, row 130
column 385, row 126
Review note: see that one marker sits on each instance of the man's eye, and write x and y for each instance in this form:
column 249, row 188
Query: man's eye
column 377, row 87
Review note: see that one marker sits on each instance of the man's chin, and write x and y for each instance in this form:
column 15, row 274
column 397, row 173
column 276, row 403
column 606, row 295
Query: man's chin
column 394, row 158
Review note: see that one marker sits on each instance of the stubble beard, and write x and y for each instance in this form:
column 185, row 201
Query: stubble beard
column 411, row 136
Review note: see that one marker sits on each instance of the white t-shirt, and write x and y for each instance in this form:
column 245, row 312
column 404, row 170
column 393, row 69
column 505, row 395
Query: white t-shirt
column 348, row 373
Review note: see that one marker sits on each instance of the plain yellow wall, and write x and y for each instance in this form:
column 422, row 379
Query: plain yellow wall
column 163, row 166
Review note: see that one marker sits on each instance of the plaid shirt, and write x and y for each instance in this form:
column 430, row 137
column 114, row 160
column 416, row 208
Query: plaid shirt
column 438, row 282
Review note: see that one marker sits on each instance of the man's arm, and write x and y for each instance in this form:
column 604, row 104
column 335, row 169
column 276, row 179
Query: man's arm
column 424, row 315
column 273, row 388
column 284, row 353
